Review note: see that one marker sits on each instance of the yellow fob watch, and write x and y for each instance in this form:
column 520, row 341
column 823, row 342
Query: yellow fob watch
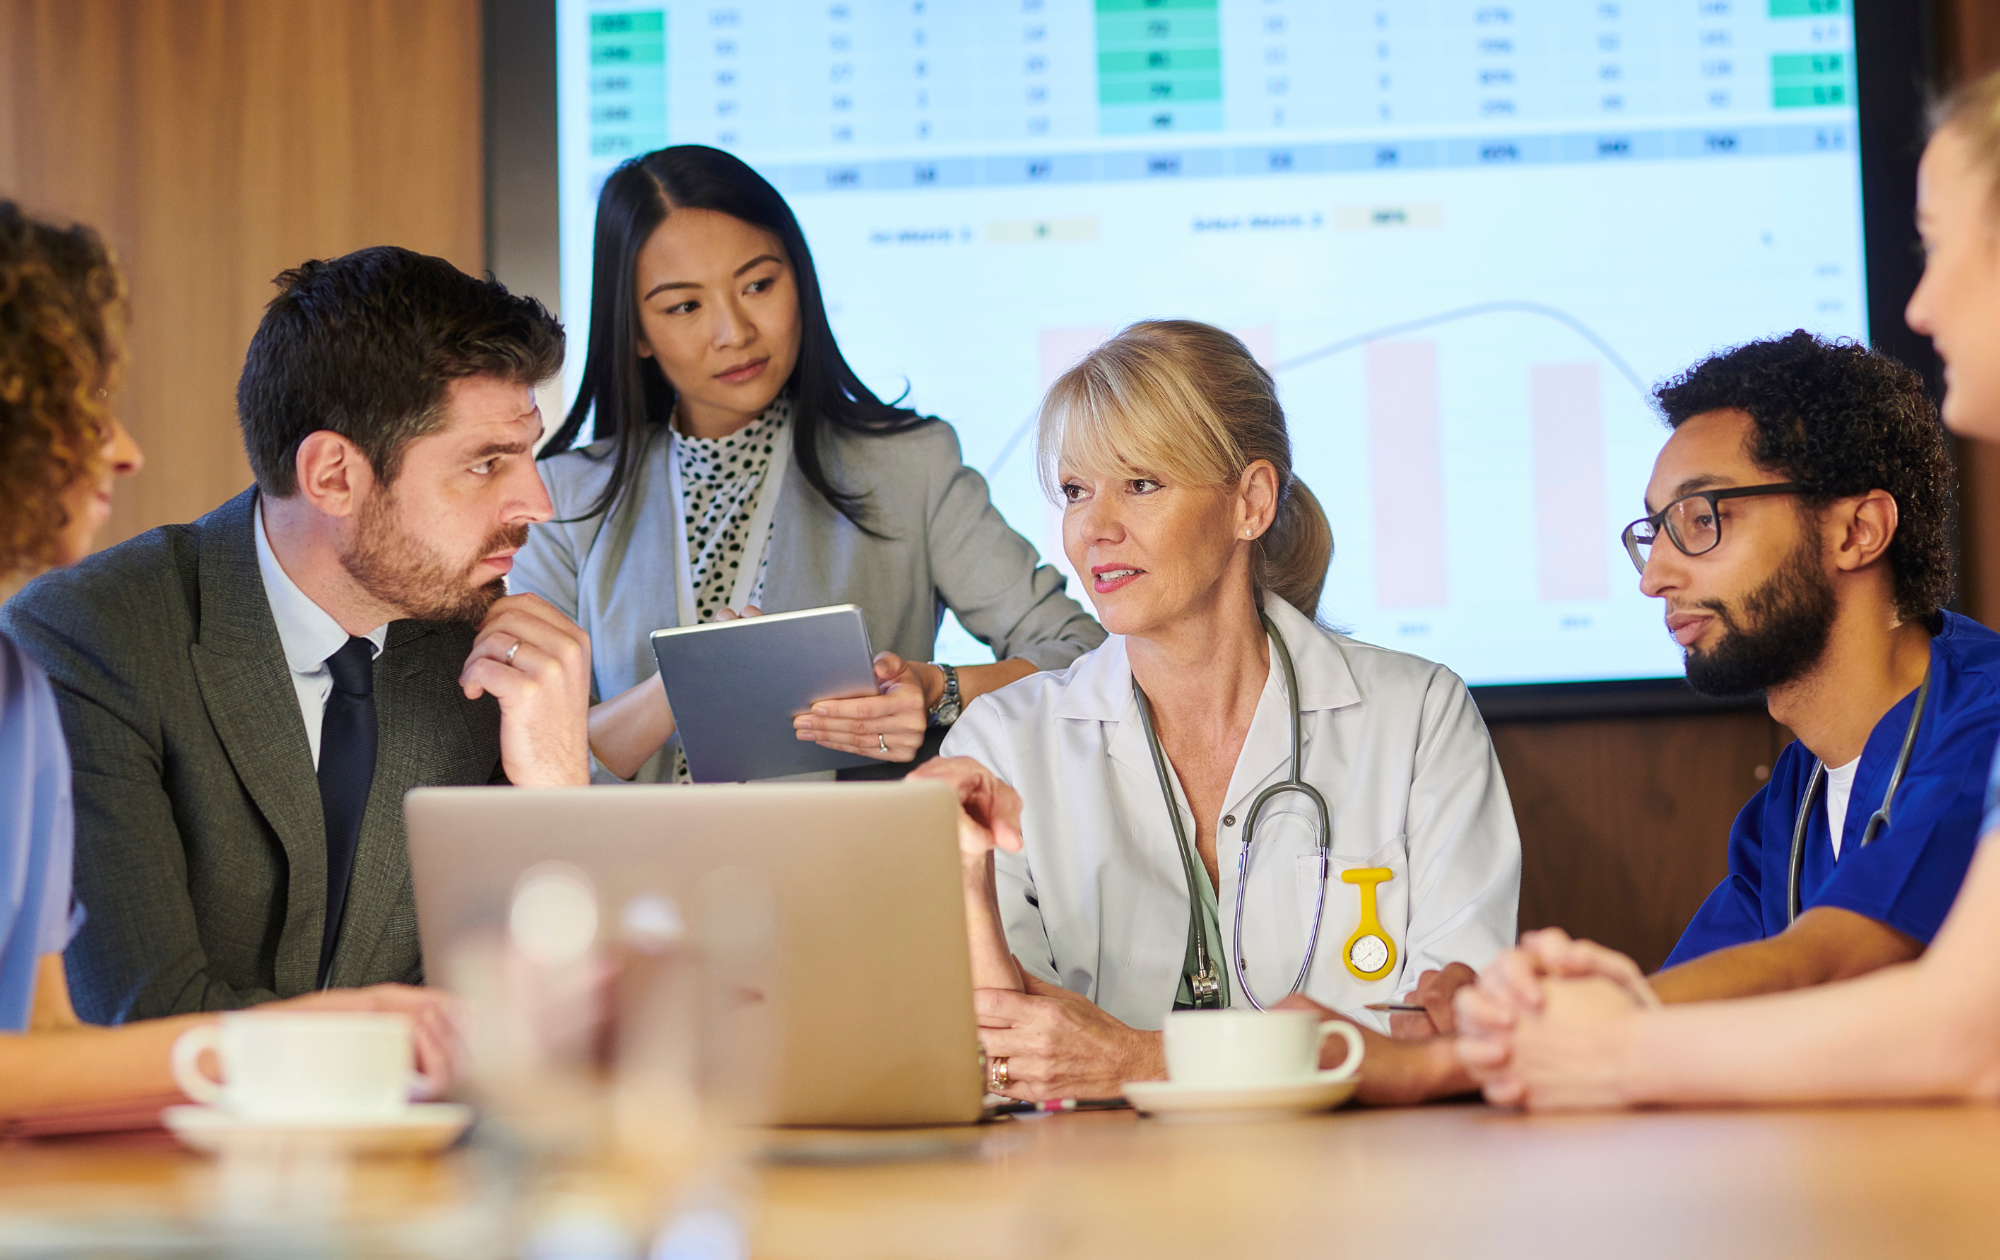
column 1369, row 953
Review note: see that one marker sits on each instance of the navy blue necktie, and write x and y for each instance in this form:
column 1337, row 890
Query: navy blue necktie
column 346, row 772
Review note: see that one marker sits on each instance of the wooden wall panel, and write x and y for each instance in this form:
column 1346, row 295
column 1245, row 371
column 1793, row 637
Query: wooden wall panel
column 217, row 142
column 1625, row 824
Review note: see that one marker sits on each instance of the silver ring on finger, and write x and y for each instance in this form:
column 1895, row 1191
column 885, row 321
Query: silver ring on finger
column 509, row 658
column 882, row 743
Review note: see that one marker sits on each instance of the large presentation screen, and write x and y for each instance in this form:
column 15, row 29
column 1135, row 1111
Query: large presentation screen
column 1466, row 236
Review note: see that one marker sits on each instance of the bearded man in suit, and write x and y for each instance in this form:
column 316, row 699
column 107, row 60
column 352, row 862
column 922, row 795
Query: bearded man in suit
column 248, row 697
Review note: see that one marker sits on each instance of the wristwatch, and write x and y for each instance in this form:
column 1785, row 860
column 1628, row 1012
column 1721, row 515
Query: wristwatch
column 949, row 707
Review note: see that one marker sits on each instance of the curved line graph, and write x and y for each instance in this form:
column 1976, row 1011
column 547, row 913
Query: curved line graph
column 1504, row 306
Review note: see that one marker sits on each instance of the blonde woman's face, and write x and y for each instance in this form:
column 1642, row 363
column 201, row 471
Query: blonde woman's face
column 1957, row 305
column 1155, row 553
column 87, row 501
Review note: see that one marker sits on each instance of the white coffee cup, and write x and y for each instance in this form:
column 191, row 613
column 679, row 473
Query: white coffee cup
column 1251, row 1048
column 301, row 1066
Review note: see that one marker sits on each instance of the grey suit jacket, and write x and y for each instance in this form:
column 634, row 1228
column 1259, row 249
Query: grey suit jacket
column 617, row 573
column 200, row 845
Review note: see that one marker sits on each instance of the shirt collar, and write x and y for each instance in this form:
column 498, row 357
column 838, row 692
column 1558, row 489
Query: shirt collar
column 307, row 632
column 1100, row 683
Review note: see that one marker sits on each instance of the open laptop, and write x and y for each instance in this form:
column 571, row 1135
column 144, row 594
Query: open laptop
column 866, row 949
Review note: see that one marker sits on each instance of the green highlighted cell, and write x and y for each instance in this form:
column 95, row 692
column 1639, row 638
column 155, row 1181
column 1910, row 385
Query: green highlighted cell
column 653, row 22
column 1809, row 66
column 1811, row 80
column 1159, row 61
column 1179, row 30
column 628, row 82
column 1159, row 66
column 1154, row 6
column 1808, row 96
column 1807, row 8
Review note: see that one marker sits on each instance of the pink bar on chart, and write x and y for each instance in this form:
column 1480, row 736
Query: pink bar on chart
column 1062, row 348
column 1260, row 341
column 1566, row 412
column 1406, row 471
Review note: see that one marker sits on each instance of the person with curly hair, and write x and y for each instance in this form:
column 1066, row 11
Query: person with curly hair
column 1557, row 1023
column 62, row 310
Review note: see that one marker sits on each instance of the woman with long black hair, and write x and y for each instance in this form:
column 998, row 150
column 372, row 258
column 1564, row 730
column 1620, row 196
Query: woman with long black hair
column 739, row 461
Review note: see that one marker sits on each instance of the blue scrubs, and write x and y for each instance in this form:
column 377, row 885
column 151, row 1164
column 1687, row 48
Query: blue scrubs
column 1909, row 875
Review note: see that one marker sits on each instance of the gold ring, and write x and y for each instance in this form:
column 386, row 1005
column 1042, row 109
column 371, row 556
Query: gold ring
column 996, row 1075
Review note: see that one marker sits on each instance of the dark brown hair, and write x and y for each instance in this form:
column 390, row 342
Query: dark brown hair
column 367, row 346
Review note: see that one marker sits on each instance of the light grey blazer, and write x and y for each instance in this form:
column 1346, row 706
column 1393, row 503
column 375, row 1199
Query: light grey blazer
column 945, row 546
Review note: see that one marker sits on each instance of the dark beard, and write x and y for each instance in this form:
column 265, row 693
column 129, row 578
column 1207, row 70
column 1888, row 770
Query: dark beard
column 399, row 570
column 1793, row 614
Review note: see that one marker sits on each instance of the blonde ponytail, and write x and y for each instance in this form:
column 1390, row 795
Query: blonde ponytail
column 1188, row 401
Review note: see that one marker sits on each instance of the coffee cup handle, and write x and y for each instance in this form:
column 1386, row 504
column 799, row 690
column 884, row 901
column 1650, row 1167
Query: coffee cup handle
column 1355, row 1047
column 186, row 1062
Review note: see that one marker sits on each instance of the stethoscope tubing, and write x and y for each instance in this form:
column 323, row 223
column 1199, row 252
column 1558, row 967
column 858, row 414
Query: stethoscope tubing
column 1876, row 821
column 1202, row 985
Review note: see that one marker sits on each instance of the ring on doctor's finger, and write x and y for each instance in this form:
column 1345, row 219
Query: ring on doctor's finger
column 996, row 1075
column 883, row 743
column 509, row 658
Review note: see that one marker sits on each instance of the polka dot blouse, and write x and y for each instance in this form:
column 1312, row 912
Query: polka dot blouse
column 720, row 479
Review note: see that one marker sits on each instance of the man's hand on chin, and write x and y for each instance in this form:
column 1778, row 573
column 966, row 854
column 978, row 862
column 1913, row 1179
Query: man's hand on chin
column 1395, row 1072
column 536, row 662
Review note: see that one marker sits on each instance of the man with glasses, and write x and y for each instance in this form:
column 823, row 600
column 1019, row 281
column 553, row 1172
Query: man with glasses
column 1798, row 534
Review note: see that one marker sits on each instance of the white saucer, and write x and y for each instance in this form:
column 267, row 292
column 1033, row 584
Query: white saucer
column 422, row 1129
column 1319, row 1092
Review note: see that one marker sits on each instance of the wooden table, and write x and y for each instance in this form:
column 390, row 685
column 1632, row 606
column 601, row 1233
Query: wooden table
column 1455, row 1181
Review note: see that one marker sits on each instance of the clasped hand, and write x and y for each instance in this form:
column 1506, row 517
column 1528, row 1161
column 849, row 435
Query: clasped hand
column 1542, row 1027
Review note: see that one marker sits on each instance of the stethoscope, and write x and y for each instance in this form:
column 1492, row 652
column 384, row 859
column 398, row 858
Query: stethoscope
column 1204, row 985
column 1876, row 821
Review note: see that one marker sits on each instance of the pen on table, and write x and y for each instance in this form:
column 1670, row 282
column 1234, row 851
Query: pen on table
column 1409, row 1007
column 1060, row 1104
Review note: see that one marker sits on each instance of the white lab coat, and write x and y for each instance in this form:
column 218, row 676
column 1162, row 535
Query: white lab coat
column 1097, row 901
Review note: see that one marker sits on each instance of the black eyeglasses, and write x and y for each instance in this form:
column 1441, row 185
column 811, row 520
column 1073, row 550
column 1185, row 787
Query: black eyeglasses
column 1691, row 521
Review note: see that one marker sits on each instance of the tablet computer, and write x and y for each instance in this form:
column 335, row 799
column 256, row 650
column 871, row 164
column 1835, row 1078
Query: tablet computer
column 735, row 687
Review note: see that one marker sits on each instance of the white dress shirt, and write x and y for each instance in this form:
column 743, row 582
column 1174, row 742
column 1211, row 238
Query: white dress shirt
column 309, row 635
column 1098, row 903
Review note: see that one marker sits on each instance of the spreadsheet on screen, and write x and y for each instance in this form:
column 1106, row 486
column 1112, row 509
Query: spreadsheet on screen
column 1466, row 238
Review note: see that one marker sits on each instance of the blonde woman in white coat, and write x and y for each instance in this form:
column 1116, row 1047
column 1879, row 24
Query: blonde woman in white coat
column 1205, row 557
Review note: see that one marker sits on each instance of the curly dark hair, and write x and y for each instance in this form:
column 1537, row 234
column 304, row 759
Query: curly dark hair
column 1841, row 419
column 62, row 325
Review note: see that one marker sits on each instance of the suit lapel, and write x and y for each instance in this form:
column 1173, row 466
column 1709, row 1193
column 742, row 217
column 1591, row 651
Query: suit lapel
column 246, row 687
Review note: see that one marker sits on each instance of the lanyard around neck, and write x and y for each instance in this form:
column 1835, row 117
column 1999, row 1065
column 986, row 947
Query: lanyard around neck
column 754, row 538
